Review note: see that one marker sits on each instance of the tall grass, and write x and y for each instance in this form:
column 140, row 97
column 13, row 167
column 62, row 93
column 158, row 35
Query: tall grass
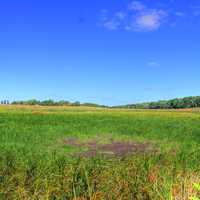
column 36, row 164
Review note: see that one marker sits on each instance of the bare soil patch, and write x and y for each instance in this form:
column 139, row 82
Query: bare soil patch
column 114, row 148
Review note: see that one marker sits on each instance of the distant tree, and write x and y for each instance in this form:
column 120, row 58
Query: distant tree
column 76, row 103
column 32, row 102
column 63, row 103
column 49, row 102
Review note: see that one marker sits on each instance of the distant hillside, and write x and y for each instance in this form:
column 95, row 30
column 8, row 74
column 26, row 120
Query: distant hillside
column 186, row 102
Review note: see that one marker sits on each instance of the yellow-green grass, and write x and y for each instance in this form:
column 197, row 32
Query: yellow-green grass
column 35, row 162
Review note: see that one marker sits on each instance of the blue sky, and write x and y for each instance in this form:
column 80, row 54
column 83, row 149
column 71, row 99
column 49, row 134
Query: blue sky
column 103, row 51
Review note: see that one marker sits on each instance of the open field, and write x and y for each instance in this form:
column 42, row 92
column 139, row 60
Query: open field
column 94, row 153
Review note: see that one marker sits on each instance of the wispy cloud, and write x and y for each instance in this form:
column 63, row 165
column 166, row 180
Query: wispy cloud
column 149, row 20
column 137, row 6
column 114, row 22
column 138, row 17
column 153, row 64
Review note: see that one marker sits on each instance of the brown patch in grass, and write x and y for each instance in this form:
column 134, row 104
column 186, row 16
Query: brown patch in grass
column 124, row 148
column 114, row 148
column 72, row 142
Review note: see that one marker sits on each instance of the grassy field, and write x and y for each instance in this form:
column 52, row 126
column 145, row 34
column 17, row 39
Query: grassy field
column 46, row 153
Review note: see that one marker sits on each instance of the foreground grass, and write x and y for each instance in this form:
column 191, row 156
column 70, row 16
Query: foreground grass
column 35, row 163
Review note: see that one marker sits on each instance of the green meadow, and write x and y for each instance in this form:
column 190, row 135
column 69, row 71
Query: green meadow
column 37, row 160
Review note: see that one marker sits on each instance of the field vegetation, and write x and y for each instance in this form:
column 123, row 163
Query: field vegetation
column 98, row 153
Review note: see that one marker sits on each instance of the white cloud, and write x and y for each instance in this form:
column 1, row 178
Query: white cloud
column 149, row 21
column 137, row 17
column 120, row 15
column 112, row 24
column 153, row 64
column 137, row 6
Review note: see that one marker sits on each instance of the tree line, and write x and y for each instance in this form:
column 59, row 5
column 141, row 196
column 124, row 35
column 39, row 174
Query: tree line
column 51, row 102
column 187, row 102
column 177, row 103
